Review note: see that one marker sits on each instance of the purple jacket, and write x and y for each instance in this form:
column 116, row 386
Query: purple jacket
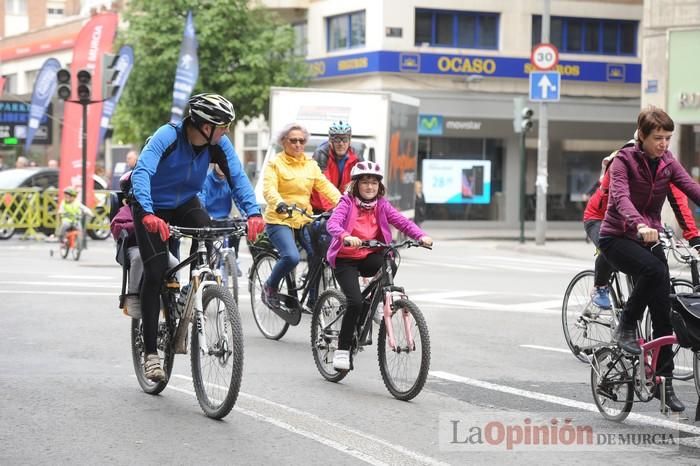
column 122, row 221
column 637, row 197
column 345, row 213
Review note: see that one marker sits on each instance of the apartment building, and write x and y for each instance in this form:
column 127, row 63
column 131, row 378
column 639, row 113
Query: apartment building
column 466, row 60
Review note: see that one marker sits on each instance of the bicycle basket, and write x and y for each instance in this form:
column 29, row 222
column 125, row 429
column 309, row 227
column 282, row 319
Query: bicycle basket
column 320, row 238
column 685, row 319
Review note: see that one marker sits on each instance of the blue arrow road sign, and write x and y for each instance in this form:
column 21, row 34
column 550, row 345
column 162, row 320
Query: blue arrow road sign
column 545, row 86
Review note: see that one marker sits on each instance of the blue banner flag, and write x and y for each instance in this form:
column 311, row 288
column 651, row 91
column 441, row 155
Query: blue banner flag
column 124, row 64
column 187, row 72
column 44, row 88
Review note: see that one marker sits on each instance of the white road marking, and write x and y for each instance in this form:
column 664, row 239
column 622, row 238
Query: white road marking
column 74, row 284
column 355, row 441
column 85, row 277
column 64, row 293
column 546, row 348
column 635, row 418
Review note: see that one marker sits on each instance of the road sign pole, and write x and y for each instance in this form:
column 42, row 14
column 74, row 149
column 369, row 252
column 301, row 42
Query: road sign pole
column 542, row 151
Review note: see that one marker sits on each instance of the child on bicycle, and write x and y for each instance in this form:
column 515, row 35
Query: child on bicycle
column 70, row 211
column 124, row 221
column 363, row 213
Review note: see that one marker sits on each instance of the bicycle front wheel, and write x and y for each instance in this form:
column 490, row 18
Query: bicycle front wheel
column 326, row 321
column 231, row 276
column 611, row 384
column 585, row 325
column 165, row 352
column 270, row 324
column 696, row 371
column 404, row 366
column 77, row 246
column 217, row 369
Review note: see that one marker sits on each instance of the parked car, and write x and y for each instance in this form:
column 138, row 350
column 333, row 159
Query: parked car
column 44, row 178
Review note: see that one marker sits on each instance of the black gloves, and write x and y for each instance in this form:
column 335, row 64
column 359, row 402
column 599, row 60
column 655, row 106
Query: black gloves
column 281, row 208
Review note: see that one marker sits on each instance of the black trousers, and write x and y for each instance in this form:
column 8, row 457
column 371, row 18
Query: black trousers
column 347, row 273
column 154, row 253
column 652, row 286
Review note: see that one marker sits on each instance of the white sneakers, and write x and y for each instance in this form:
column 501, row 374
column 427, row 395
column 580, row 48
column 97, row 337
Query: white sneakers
column 341, row 360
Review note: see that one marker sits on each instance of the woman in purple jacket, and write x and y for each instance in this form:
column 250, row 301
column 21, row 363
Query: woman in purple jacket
column 362, row 214
column 640, row 178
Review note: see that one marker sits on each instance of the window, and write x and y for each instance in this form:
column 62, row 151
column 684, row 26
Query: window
column 346, row 31
column 55, row 11
column 16, row 7
column 10, row 86
column 456, row 29
column 591, row 36
column 300, row 39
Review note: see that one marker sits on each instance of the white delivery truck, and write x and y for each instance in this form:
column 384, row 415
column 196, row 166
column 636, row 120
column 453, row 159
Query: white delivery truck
column 384, row 130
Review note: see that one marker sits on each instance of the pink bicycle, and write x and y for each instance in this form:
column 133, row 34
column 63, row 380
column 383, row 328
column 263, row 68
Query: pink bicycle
column 404, row 344
column 616, row 376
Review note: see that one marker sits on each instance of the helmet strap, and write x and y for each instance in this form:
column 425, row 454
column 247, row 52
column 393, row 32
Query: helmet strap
column 211, row 133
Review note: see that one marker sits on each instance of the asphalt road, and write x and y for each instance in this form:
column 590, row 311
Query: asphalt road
column 499, row 364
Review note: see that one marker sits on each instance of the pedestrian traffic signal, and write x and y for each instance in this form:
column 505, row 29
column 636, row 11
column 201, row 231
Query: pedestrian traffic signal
column 63, row 89
column 109, row 75
column 84, row 86
column 526, row 123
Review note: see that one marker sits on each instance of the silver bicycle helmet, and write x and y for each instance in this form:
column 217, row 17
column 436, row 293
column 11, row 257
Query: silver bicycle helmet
column 211, row 108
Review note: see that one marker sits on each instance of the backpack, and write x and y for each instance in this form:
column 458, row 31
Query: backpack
column 685, row 319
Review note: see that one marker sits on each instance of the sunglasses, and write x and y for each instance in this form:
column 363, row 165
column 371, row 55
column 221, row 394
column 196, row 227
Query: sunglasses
column 296, row 140
column 340, row 139
column 227, row 126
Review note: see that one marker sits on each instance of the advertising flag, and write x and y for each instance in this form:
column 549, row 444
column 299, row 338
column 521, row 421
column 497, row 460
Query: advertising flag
column 94, row 39
column 44, row 88
column 124, row 64
column 187, row 71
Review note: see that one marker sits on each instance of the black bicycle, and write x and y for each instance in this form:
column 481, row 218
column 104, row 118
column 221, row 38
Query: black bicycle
column 216, row 338
column 403, row 342
column 274, row 323
column 224, row 255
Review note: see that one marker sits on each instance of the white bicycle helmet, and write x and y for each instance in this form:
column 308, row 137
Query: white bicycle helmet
column 211, row 108
column 366, row 168
column 339, row 127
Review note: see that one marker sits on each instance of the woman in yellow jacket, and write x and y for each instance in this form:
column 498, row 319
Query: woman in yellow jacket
column 289, row 178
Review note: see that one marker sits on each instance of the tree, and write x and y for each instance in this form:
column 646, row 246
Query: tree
column 242, row 52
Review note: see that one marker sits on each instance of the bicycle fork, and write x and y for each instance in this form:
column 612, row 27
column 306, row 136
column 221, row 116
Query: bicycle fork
column 405, row 315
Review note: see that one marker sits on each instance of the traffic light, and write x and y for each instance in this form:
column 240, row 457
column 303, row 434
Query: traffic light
column 109, row 75
column 63, row 89
column 526, row 123
column 84, row 86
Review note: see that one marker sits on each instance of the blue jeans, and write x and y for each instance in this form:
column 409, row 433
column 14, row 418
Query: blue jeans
column 283, row 238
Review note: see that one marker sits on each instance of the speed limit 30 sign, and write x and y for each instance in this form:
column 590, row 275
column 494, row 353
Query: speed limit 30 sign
column 544, row 56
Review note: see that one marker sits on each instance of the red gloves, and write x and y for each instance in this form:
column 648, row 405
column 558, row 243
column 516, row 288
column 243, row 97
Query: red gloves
column 255, row 226
column 154, row 224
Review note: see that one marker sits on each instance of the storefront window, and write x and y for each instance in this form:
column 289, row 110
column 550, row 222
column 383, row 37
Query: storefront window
column 462, row 177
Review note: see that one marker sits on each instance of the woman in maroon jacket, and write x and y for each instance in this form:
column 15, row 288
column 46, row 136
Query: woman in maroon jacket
column 640, row 180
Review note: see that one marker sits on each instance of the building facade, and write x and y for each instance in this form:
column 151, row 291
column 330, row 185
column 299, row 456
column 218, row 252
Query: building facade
column 466, row 60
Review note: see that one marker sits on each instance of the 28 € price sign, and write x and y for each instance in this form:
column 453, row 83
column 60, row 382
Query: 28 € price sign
column 544, row 56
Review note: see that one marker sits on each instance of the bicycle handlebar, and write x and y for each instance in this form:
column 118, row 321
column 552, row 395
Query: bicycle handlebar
column 293, row 208
column 409, row 243
column 204, row 232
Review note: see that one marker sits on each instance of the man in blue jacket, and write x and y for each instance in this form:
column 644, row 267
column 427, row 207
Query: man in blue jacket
column 169, row 173
column 217, row 199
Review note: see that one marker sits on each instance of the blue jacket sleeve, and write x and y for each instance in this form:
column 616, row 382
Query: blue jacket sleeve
column 147, row 165
column 242, row 191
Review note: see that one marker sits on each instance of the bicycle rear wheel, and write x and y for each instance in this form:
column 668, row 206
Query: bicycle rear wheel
column 231, row 276
column 696, row 372
column 165, row 352
column 683, row 357
column 325, row 327
column 404, row 368
column 270, row 324
column 611, row 384
column 217, row 373
column 585, row 325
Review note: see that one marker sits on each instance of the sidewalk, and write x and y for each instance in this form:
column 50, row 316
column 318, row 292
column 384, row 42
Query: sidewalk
column 565, row 239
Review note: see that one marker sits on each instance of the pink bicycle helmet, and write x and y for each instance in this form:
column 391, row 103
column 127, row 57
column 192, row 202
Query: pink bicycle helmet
column 366, row 168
